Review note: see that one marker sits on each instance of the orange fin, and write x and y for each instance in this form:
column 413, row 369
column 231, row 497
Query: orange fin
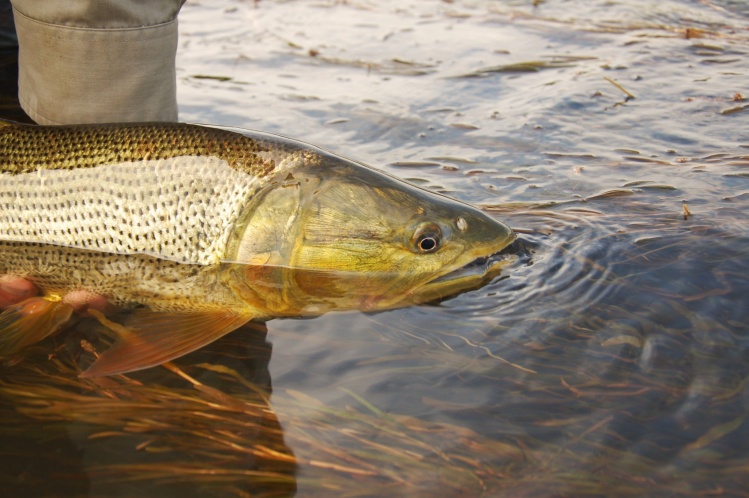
column 153, row 338
column 31, row 321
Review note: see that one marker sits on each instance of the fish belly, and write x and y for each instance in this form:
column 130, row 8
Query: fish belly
column 126, row 280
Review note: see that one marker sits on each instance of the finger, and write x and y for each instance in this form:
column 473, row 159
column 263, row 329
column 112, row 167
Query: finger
column 83, row 300
column 13, row 290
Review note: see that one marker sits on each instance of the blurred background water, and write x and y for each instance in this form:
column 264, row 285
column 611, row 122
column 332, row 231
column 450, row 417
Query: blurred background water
column 610, row 359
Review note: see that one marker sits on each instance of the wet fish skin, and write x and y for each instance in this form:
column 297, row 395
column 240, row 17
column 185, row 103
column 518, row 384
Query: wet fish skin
column 200, row 229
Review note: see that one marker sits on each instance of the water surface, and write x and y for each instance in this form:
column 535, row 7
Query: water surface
column 611, row 358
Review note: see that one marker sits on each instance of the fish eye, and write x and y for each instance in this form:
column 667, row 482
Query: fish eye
column 426, row 238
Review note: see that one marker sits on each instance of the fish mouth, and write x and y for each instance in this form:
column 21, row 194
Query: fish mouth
column 485, row 267
column 468, row 277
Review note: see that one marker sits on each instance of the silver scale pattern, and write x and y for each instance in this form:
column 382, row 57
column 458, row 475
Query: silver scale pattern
column 181, row 209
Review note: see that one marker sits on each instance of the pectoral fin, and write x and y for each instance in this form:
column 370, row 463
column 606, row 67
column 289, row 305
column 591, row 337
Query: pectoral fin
column 152, row 338
column 31, row 321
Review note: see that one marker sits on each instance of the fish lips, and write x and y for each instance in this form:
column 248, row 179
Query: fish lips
column 471, row 276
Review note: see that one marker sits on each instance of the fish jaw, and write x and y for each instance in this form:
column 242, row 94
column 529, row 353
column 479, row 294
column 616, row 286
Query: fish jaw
column 470, row 277
column 482, row 261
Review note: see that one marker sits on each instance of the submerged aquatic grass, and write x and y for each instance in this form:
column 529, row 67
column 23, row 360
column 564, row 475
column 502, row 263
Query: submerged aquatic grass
column 230, row 438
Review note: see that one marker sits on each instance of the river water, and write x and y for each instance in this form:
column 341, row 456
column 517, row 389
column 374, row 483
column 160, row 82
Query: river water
column 611, row 358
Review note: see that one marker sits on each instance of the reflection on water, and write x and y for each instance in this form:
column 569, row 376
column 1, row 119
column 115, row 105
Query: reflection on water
column 610, row 358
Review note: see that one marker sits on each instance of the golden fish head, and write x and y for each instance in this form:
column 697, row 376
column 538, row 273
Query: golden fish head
column 339, row 235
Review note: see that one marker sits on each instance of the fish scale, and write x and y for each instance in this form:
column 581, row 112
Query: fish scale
column 180, row 204
column 181, row 208
column 126, row 280
column 27, row 148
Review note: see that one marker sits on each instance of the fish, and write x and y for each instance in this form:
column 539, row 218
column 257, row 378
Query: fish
column 195, row 230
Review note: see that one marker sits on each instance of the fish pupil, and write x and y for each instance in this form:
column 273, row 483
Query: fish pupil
column 427, row 244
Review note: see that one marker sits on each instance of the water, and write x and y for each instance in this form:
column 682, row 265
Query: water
column 611, row 358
